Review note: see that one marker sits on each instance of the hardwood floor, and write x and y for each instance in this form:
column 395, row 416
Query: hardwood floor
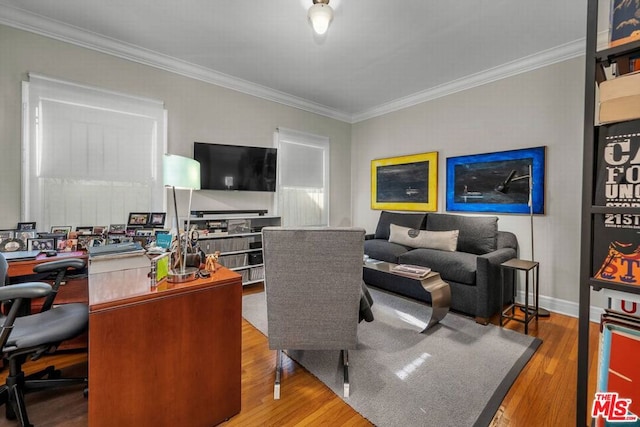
column 543, row 394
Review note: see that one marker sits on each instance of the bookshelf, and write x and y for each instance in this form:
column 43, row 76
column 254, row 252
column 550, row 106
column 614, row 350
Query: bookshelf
column 238, row 238
column 598, row 65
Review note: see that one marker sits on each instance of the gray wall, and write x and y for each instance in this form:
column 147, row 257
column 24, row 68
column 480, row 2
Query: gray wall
column 540, row 107
column 197, row 111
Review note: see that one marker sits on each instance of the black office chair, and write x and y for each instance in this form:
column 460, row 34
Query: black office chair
column 33, row 336
column 58, row 271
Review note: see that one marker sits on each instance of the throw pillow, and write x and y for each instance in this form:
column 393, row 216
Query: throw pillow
column 441, row 240
column 399, row 218
column 478, row 234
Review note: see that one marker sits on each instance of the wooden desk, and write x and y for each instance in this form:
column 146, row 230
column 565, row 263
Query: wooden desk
column 169, row 357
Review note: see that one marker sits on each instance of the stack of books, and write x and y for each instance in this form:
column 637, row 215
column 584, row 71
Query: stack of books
column 413, row 271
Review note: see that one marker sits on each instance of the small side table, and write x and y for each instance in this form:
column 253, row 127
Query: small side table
column 529, row 267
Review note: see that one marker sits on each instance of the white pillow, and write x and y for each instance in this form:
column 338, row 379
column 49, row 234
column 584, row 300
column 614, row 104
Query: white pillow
column 441, row 240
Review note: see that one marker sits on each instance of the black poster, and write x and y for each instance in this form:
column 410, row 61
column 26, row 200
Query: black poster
column 618, row 165
column 616, row 236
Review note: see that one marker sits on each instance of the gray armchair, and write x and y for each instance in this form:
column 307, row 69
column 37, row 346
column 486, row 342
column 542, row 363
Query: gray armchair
column 313, row 285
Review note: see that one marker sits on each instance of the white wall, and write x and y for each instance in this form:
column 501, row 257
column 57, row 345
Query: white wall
column 541, row 107
column 197, row 111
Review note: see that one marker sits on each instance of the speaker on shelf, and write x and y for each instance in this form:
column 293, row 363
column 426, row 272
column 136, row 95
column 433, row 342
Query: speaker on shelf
column 255, row 258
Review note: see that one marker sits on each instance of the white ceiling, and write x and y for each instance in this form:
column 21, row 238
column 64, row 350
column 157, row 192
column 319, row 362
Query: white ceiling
column 377, row 56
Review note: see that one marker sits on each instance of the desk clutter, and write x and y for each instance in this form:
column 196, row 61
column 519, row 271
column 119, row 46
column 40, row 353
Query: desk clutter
column 143, row 228
column 235, row 240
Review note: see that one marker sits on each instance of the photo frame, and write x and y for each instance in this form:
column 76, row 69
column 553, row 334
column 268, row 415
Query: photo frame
column 497, row 182
column 118, row 228
column 6, row 234
column 138, row 219
column 61, row 229
column 26, row 226
column 85, row 230
column 156, row 220
column 406, row 183
column 98, row 229
column 68, row 245
column 25, row 235
column 85, row 240
column 12, row 245
column 41, row 244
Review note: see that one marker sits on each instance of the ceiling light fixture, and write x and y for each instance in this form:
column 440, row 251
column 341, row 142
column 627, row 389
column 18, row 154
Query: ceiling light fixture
column 320, row 15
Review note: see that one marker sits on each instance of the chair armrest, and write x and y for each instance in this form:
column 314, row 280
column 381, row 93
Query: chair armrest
column 489, row 280
column 46, row 267
column 369, row 236
column 24, row 290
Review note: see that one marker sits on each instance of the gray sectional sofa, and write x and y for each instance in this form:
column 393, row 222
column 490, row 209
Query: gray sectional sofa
column 470, row 266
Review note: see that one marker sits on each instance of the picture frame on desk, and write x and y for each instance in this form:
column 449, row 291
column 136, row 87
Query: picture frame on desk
column 12, row 245
column 84, row 241
column 25, row 235
column 138, row 219
column 7, row 234
column 67, row 245
column 41, row 244
column 119, row 238
column 61, row 229
column 26, row 226
column 57, row 237
column 117, row 228
column 156, row 219
column 98, row 229
column 85, row 230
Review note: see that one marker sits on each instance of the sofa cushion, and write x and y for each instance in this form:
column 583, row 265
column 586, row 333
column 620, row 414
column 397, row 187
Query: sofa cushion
column 442, row 240
column 384, row 250
column 403, row 219
column 478, row 234
column 456, row 266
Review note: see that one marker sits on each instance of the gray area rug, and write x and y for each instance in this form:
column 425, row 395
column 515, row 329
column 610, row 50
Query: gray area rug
column 456, row 374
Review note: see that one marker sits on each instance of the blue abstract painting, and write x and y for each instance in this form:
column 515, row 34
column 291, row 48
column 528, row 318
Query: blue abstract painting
column 500, row 182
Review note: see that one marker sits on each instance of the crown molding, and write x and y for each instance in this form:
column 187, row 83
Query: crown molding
column 522, row 65
column 37, row 24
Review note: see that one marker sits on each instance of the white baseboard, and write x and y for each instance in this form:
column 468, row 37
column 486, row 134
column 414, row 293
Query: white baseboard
column 568, row 308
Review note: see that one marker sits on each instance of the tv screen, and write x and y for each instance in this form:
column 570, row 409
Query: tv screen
column 233, row 167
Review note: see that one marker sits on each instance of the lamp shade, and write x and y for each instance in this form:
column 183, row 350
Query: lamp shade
column 320, row 16
column 180, row 172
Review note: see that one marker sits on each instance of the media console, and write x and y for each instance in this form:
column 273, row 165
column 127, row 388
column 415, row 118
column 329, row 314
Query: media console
column 238, row 238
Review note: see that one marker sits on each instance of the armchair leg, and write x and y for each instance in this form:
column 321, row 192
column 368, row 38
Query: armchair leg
column 345, row 364
column 276, row 386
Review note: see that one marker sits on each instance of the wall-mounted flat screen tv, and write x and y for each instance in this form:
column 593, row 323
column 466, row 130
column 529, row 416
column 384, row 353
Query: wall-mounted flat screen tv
column 234, row 167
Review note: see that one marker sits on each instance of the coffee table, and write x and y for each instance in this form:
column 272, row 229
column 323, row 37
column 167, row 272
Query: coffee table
column 437, row 288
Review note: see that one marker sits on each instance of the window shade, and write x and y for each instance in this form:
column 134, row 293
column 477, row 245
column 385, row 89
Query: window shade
column 90, row 156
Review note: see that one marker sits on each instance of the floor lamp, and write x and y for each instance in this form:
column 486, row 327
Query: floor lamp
column 503, row 188
column 181, row 173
